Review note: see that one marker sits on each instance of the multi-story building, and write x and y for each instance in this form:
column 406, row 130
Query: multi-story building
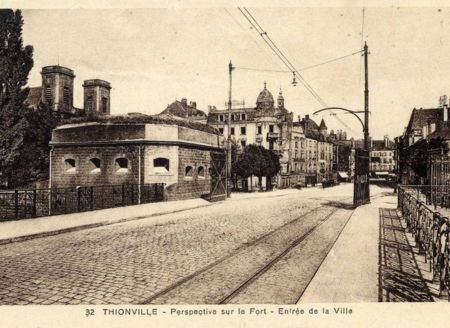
column 307, row 153
column 184, row 110
column 266, row 125
column 56, row 91
column 425, row 141
column 382, row 157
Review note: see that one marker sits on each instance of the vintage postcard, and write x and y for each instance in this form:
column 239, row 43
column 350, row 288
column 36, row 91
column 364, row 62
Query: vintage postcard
column 231, row 164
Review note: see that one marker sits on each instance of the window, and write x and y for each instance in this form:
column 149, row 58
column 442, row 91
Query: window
column 94, row 165
column 259, row 129
column 48, row 94
column 243, row 117
column 89, row 104
column 104, row 105
column 66, row 96
column 296, row 144
column 243, row 143
column 201, row 172
column 121, row 165
column 221, row 118
column 243, row 130
column 232, row 117
column 70, row 165
column 232, row 131
column 221, row 130
column 188, row 172
column 161, row 165
column 271, row 128
column 271, row 145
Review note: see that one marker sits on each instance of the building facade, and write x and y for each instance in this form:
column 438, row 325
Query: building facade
column 266, row 124
column 382, row 157
column 305, row 149
column 137, row 150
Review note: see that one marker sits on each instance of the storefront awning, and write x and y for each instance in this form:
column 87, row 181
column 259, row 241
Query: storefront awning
column 343, row 175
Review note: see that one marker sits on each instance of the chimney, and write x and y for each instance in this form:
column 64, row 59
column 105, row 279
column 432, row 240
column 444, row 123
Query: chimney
column 184, row 101
column 194, row 104
column 307, row 116
column 298, row 117
column 445, row 109
column 386, row 141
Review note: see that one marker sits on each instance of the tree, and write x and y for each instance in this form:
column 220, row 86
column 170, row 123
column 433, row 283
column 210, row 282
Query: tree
column 257, row 161
column 16, row 62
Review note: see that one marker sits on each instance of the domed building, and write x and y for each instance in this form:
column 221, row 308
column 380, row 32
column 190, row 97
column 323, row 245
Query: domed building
column 265, row 124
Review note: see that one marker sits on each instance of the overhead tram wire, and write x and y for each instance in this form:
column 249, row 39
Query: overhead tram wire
column 280, row 54
column 304, row 82
column 270, row 55
column 286, row 61
column 301, row 69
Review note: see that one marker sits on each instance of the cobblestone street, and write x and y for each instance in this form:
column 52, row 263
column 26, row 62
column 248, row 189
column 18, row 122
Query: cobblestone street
column 259, row 249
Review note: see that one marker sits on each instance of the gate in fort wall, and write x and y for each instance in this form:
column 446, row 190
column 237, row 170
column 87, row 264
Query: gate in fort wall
column 218, row 177
column 361, row 193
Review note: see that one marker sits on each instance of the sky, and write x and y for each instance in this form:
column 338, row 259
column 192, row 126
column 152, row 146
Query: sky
column 154, row 56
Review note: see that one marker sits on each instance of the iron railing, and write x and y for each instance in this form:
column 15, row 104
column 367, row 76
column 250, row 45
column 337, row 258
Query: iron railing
column 30, row 203
column 430, row 230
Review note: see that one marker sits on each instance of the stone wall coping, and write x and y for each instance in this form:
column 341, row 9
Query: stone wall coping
column 138, row 142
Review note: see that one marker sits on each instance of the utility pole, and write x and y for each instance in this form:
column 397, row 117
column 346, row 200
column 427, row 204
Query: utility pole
column 366, row 118
column 366, row 99
column 230, row 70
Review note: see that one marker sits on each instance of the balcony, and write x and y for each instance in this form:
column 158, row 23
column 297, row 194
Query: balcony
column 272, row 135
column 259, row 138
column 298, row 159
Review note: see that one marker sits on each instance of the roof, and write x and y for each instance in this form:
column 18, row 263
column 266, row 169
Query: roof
column 180, row 109
column 34, row 97
column 323, row 125
column 144, row 119
column 311, row 128
column 442, row 131
column 265, row 99
column 420, row 118
column 380, row 145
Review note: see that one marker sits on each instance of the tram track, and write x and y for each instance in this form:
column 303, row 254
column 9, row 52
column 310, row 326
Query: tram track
column 235, row 252
column 239, row 251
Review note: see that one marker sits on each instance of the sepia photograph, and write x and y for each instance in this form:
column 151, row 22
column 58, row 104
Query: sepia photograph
column 240, row 160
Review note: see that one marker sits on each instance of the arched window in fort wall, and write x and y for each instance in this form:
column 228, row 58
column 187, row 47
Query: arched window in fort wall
column 122, row 165
column 161, row 165
column 188, row 172
column 70, row 165
column 201, row 172
column 94, row 165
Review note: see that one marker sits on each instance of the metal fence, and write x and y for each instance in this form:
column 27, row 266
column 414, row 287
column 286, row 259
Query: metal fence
column 29, row 203
column 432, row 195
column 431, row 232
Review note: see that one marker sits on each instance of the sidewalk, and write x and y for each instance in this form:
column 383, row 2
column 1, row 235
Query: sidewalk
column 18, row 230
column 350, row 272
column 375, row 259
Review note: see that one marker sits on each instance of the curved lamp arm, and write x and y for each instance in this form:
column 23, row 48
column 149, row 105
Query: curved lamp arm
column 344, row 109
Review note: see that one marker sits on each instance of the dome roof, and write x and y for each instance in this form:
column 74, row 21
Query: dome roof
column 265, row 99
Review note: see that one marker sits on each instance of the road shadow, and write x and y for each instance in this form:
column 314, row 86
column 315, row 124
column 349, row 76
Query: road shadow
column 336, row 204
column 400, row 279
